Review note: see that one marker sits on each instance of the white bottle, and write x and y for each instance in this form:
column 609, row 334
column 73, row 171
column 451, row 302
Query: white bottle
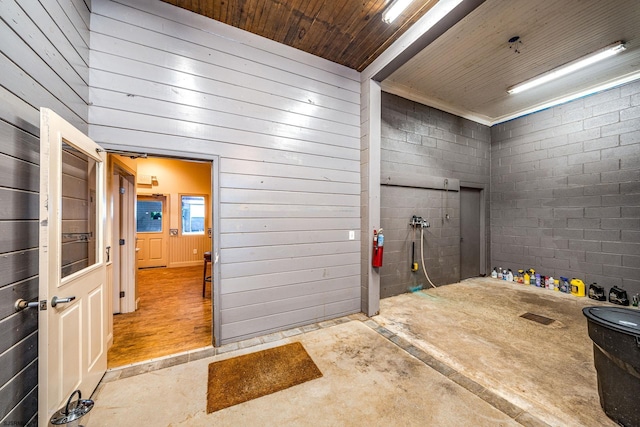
column 500, row 273
column 510, row 276
column 552, row 286
column 494, row 273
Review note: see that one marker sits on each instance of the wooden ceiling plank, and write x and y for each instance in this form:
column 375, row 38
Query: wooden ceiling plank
column 256, row 11
column 340, row 35
column 272, row 20
column 354, row 27
column 387, row 36
column 260, row 21
column 323, row 27
column 288, row 20
column 298, row 31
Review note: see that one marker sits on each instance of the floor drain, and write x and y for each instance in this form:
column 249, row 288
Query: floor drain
column 537, row 318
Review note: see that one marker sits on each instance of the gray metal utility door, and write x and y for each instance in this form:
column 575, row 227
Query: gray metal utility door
column 469, row 232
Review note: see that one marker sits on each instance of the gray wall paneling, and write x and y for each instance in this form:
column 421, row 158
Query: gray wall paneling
column 566, row 190
column 420, row 147
column 44, row 59
column 286, row 126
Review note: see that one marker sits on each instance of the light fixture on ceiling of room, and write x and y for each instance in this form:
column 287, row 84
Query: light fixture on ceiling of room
column 569, row 68
column 393, row 11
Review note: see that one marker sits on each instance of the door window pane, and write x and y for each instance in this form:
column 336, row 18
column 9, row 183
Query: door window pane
column 149, row 216
column 193, row 214
column 78, row 212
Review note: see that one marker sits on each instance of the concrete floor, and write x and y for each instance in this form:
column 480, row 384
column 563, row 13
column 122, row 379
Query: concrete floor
column 474, row 327
column 367, row 380
column 459, row 355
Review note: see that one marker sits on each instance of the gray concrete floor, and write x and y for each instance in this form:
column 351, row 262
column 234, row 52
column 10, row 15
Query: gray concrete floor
column 475, row 327
column 459, row 355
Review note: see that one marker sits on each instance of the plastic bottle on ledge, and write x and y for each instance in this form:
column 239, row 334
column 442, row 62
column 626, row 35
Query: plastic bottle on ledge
column 494, row 273
column 509, row 275
column 500, row 273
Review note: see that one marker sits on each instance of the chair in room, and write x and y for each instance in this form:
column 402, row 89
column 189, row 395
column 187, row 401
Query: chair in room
column 205, row 278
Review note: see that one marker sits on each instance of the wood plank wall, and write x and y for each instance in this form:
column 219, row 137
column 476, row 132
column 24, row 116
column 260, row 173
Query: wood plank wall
column 181, row 250
column 286, row 126
column 44, row 61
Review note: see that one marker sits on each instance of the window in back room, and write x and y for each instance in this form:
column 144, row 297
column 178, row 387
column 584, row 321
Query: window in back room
column 193, row 214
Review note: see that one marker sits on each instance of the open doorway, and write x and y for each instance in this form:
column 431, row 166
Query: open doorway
column 472, row 232
column 162, row 229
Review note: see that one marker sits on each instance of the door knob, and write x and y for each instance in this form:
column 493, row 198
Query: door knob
column 55, row 300
column 21, row 304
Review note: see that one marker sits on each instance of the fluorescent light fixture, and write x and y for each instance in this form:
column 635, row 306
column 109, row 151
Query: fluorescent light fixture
column 569, row 67
column 395, row 10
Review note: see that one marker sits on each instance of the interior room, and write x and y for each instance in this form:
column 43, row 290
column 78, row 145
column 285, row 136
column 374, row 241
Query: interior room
column 162, row 299
column 188, row 185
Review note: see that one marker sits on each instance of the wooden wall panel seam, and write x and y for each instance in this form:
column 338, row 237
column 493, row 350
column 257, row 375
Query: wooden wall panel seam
column 285, row 142
column 153, row 49
column 221, row 144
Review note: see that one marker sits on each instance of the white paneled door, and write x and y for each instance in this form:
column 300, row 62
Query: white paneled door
column 72, row 323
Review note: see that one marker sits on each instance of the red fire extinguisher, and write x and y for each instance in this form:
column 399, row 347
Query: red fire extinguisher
column 378, row 248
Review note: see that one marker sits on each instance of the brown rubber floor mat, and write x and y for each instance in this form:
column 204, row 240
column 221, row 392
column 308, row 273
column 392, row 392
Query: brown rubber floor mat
column 253, row 375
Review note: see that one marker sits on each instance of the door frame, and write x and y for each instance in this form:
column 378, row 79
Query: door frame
column 214, row 209
column 124, row 212
column 483, row 224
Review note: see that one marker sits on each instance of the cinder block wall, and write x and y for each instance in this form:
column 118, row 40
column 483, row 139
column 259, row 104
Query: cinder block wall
column 565, row 190
column 423, row 141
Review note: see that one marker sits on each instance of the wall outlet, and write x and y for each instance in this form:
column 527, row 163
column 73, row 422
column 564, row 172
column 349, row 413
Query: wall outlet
column 195, row 251
column 352, row 235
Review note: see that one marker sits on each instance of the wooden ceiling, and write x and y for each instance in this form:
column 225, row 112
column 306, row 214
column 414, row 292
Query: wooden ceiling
column 349, row 32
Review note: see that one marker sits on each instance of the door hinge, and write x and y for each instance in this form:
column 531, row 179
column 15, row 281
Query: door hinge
column 121, row 294
column 121, row 242
column 122, row 190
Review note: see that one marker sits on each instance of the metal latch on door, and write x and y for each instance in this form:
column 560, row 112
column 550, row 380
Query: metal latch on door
column 21, row 304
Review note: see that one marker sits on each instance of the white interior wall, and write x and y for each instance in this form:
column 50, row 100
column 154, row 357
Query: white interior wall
column 286, row 126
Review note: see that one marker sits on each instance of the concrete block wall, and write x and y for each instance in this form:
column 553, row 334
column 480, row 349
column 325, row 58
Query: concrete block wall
column 420, row 141
column 565, row 190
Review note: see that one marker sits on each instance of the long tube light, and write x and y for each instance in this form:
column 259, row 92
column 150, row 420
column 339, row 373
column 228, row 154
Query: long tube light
column 569, row 68
column 395, row 10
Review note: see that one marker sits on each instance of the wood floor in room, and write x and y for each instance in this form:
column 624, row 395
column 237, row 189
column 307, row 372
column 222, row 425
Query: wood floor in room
column 172, row 317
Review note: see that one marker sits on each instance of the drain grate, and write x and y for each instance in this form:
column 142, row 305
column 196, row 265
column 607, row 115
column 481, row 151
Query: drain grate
column 537, row 318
